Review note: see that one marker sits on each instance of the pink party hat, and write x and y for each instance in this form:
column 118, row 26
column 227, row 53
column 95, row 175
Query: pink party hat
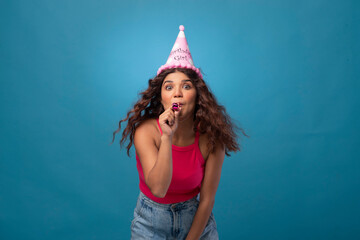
column 180, row 56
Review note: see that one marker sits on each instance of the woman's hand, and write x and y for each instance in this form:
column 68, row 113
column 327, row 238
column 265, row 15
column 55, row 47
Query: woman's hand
column 169, row 121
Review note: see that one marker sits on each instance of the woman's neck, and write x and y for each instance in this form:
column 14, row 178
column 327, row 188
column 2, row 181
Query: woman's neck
column 185, row 130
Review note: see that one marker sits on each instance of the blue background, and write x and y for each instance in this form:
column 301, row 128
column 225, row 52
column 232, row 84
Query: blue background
column 286, row 71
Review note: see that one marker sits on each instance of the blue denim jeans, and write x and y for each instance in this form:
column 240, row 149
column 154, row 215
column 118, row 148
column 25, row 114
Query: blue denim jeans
column 154, row 220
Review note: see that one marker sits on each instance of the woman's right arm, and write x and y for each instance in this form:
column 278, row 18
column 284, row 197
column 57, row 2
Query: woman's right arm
column 156, row 163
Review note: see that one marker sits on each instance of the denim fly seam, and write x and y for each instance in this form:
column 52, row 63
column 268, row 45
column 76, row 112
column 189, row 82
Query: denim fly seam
column 154, row 220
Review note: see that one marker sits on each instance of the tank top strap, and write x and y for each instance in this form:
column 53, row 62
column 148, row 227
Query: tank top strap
column 159, row 126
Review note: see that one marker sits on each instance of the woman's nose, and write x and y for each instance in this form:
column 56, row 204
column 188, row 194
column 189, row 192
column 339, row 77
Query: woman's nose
column 178, row 92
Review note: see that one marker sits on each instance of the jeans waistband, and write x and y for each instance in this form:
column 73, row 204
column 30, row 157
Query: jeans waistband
column 151, row 202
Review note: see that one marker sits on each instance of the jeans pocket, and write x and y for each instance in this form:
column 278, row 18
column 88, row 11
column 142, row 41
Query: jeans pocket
column 210, row 231
column 142, row 225
column 137, row 212
column 213, row 219
column 211, row 222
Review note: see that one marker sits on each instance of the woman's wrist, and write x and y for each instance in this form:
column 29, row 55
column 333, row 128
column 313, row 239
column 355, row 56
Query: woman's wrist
column 166, row 138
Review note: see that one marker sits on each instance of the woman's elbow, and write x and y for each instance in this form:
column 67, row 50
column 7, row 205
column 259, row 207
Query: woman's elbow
column 157, row 192
column 161, row 195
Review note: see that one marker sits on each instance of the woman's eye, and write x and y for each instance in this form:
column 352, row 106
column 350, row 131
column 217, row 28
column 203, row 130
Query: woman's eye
column 187, row 86
column 168, row 87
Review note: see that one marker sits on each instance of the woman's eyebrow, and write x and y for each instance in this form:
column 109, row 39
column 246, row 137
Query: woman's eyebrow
column 185, row 80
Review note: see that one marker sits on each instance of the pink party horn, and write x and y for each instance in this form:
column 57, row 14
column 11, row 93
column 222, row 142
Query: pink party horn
column 175, row 107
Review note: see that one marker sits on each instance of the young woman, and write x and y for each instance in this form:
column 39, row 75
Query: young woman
column 179, row 151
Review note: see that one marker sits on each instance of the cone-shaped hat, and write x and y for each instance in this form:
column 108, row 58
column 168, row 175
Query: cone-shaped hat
column 180, row 56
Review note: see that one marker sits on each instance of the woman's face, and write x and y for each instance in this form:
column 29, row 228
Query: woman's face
column 177, row 88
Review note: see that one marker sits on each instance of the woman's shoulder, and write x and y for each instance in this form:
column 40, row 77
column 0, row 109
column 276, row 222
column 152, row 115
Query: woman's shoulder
column 203, row 145
column 148, row 125
column 148, row 129
column 204, row 140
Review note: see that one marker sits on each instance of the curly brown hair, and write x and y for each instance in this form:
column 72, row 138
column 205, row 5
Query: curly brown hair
column 213, row 120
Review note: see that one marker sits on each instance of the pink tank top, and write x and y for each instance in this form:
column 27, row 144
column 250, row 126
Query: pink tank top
column 187, row 176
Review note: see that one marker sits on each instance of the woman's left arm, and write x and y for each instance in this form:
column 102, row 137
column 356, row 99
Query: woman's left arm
column 207, row 193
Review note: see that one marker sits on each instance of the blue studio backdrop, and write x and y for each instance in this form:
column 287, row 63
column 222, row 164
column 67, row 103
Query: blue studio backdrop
column 286, row 71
